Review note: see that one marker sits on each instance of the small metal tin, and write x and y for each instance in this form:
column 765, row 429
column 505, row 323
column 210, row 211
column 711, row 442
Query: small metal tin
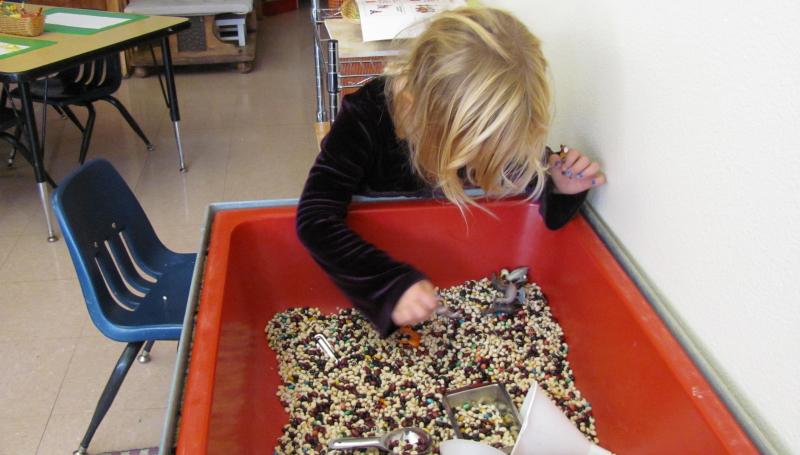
column 494, row 393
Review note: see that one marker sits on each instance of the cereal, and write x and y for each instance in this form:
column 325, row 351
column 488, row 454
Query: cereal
column 377, row 385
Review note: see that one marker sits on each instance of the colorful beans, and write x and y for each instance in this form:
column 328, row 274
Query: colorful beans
column 380, row 385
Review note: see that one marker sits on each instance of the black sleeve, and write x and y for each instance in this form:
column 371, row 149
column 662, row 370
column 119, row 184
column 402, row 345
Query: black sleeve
column 558, row 209
column 372, row 280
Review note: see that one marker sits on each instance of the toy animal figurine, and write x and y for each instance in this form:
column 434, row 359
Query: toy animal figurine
column 511, row 284
column 518, row 276
column 412, row 335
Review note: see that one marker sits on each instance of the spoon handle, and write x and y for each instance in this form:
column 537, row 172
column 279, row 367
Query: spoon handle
column 355, row 443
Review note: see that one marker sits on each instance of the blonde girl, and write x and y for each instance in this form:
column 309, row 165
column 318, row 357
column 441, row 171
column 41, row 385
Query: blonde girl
column 466, row 105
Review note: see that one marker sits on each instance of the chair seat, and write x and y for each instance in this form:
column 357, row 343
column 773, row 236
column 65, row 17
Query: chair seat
column 61, row 92
column 160, row 315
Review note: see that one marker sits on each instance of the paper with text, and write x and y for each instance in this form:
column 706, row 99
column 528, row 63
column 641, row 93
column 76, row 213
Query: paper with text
column 390, row 19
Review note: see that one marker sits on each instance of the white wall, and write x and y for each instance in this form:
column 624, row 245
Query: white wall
column 694, row 109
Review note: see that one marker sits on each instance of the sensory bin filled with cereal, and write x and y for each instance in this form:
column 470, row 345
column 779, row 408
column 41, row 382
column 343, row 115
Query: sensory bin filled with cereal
column 494, row 332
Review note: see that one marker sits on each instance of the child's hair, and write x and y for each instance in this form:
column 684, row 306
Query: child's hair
column 471, row 98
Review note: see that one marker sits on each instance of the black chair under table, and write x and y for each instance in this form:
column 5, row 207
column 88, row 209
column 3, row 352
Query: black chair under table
column 83, row 85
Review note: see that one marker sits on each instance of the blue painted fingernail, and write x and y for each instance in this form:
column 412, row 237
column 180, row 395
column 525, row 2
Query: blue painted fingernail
column 594, row 182
column 558, row 163
column 569, row 173
column 580, row 175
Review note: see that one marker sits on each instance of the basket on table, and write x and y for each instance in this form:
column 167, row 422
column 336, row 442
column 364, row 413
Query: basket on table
column 24, row 26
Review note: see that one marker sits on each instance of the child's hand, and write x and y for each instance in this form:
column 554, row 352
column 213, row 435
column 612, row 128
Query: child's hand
column 574, row 172
column 416, row 304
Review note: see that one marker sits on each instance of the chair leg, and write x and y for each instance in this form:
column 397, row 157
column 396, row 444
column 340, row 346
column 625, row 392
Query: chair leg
column 144, row 357
column 59, row 110
column 13, row 154
column 110, row 392
column 87, row 133
column 71, row 115
column 129, row 118
column 18, row 146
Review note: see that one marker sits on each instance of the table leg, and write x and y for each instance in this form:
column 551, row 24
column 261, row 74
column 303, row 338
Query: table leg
column 317, row 60
column 172, row 96
column 318, row 80
column 37, row 157
column 333, row 79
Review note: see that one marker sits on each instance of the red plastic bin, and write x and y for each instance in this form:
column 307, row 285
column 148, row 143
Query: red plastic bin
column 648, row 396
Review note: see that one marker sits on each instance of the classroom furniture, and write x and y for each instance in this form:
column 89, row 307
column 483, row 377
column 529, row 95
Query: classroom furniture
column 83, row 85
column 57, row 51
column 273, row 7
column 107, row 5
column 206, row 42
column 10, row 118
column 340, row 54
column 649, row 390
column 134, row 287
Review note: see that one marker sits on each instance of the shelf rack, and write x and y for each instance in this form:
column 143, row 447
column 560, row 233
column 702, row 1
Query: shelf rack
column 342, row 63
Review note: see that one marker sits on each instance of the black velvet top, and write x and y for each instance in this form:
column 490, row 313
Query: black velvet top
column 362, row 155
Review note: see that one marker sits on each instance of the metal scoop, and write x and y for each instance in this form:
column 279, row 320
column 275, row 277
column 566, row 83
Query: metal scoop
column 415, row 436
column 446, row 311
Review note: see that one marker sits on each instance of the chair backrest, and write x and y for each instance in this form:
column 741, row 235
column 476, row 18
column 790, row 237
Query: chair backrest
column 104, row 72
column 116, row 253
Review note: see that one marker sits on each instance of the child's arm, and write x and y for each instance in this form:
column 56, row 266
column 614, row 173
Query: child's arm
column 372, row 280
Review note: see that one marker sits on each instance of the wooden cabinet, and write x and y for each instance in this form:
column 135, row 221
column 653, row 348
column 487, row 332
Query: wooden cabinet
column 106, row 5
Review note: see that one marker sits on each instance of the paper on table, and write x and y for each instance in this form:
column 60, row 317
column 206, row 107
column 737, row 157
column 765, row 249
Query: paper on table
column 390, row 19
column 7, row 48
column 83, row 20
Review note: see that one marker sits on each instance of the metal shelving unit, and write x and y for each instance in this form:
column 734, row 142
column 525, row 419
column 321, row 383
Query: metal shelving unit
column 336, row 69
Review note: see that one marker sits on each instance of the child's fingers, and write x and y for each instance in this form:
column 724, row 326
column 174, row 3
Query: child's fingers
column 571, row 158
column 418, row 314
column 426, row 305
column 554, row 161
column 590, row 170
column 598, row 180
column 429, row 302
column 576, row 170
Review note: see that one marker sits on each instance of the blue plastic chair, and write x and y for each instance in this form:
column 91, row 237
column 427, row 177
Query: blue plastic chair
column 135, row 288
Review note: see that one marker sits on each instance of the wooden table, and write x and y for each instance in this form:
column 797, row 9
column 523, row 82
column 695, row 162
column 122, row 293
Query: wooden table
column 70, row 50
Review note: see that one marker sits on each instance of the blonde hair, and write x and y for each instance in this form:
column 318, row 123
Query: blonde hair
column 471, row 98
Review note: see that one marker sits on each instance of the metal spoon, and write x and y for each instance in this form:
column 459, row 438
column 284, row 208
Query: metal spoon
column 446, row 311
column 415, row 436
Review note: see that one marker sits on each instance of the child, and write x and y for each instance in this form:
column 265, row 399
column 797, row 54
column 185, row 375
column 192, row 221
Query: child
column 467, row 105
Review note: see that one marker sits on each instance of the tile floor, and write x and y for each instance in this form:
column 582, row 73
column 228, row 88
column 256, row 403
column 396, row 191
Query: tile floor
column 246, row 136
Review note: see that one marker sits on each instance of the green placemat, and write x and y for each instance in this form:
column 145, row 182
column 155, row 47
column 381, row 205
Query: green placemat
column 14, row 45
column 87, row 14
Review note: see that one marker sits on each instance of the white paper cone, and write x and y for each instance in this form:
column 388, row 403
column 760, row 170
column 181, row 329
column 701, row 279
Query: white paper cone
column 547, row 431
column 466, row 447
